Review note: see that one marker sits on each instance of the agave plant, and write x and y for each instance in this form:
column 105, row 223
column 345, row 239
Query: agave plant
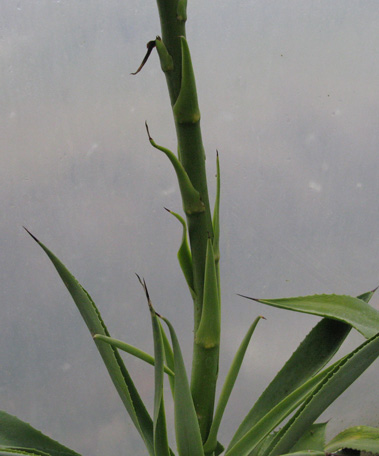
column 283, row 420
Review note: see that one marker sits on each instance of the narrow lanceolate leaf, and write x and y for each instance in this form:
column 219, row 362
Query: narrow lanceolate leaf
column 251, row 439
column 112, row 359
column 216, row 227
column 161, row 447
column 188, row 437
column 211, row 443
column 191, row 200
column 131, row 350
column 361, row 438
column 341, row 377
column 316, row 350
column 208, row 332
column 184, row 254
column 169, row 357
column 18, row 435
column 353, row 311
column 216, row 215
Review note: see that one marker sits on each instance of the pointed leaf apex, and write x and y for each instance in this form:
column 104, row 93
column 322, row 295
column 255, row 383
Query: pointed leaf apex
column 248, row 297
column 31, row 235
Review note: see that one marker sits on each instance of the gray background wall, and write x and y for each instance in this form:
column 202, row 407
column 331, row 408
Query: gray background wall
column 289, row 96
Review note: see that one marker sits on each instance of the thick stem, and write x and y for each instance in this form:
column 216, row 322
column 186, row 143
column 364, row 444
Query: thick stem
column 192, row 156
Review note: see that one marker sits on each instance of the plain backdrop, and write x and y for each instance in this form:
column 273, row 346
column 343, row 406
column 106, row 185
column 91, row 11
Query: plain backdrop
column 289, row 96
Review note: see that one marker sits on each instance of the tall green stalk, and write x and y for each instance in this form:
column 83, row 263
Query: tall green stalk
column 182, row 89
column 302, row 389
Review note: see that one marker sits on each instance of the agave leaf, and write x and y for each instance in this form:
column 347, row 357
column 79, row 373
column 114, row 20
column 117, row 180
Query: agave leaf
column 191, row 200
column 362, row 438
column 353, row 311
column 208, row 332
column 20, row 436
column 169, row 357
column 112, row 359
column 249, row 441
column 317, row 349
column 306, row 453
column 188, row 437
column 313, row 353
column 140, row 354
column 216, row 227
column 312, row 439
column 161, row 447
column 340, row 378
column 211, row 443
column 16, row 452
column 216, row 215
column 184, row 254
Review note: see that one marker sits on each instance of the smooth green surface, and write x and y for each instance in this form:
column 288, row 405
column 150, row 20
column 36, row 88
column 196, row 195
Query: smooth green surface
column 131, row 350
column 353, row 311
column 227, row 388
column 188, row 437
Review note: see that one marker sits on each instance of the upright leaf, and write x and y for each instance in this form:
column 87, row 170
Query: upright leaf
column 211, row 443
column 161, row 447
column 188, row 437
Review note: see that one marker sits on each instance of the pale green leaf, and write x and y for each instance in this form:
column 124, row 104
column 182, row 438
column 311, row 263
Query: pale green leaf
column 188, row 437
column 131, row 350
column 227, row 388
column 362, row 438
column 353, row 311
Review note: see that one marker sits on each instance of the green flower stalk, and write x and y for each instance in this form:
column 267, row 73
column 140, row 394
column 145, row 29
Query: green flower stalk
column 302, row 389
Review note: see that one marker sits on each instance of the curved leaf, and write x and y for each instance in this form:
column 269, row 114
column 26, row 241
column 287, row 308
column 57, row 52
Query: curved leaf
column 275, row 416
column 319, row 346
column 17, row 435
column 362, row 438
column 132, row 350
column 15, row 452
column 339, row 379
column 112, row 359
column 347, row 309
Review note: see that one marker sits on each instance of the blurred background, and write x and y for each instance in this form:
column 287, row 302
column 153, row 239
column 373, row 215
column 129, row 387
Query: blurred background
column 289, row 96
